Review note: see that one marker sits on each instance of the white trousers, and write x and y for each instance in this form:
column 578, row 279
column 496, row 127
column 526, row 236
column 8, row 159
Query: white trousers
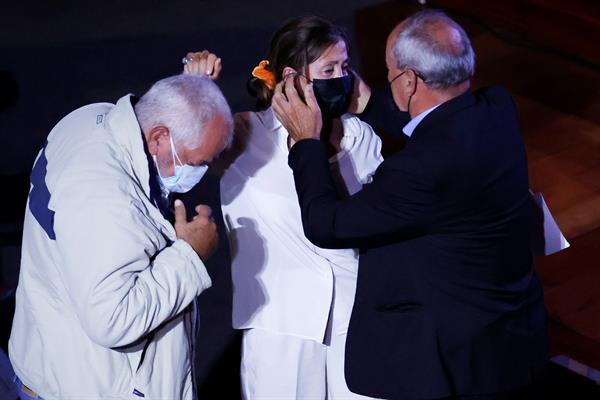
column 281, row 367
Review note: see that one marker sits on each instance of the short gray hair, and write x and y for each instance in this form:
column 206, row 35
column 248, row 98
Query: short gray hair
column 440, row 65
column 184, row 104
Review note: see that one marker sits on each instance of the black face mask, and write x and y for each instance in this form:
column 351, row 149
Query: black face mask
column 334, row 95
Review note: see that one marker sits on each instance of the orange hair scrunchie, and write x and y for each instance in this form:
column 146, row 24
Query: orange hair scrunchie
column 262, row 73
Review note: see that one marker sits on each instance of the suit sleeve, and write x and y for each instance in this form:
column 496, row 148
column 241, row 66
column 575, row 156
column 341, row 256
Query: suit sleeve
column 397, row 205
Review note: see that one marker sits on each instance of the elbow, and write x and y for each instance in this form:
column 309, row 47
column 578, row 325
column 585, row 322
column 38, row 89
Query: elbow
column 109, row 326
column 105, row 336
column 320, row 237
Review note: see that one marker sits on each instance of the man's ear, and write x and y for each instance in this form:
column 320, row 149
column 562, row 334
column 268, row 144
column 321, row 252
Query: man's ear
column 411, row 82
column 157, row 137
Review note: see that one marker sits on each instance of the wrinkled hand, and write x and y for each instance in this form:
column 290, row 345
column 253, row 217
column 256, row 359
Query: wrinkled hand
column 203, row 63
column 200, row 232
column 301, row 118
column 360, row 95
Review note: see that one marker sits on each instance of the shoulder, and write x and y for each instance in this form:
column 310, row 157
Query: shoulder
column 496, row 95
column 88, row 117
column 242, row 121
column 248, row 128
column 358, row 128
column 365, row 142
column 247, row 121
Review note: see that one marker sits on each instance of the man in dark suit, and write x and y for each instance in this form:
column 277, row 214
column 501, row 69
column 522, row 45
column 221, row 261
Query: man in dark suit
column 447, row 303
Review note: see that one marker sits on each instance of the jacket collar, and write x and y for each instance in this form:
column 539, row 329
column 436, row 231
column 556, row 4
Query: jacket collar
column 445, row 110
column 126, row 130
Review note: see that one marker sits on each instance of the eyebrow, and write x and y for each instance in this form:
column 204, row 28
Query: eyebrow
column 335, row 62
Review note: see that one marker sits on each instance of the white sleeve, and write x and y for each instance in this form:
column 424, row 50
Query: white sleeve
column 369, row 152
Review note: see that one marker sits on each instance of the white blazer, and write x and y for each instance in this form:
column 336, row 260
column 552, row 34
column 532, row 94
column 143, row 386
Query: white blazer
column 281, row 281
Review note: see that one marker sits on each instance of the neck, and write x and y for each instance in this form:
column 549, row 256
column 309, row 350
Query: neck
column 432, row 97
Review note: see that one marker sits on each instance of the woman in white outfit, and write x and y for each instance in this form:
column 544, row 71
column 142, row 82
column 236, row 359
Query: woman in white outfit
column 292, row 299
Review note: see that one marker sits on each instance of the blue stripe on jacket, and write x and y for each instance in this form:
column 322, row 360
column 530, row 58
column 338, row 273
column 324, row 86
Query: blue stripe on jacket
column 39, row 196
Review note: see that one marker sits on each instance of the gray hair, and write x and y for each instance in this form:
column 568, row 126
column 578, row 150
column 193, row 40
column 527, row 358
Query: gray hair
column 441, row 64
column 184, row 104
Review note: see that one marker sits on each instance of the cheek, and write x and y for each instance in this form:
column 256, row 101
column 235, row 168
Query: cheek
column 165, row 165
column 312, row 72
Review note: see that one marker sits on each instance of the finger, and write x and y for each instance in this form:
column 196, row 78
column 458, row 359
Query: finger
column 202, row 66
column 217, row 69
column 310, row 98
column 291, row 93
column 203, row 211
column 186, row 69
column 278, row 95
column 199, row 67
column 210, row 63
column 301, row 79
column 279, row 101
column 192, row 65
column 180, row 216
column 278, row 92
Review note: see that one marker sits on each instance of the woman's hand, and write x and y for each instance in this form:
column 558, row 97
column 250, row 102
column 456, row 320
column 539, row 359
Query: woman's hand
column 203, row 63
column 360, row 95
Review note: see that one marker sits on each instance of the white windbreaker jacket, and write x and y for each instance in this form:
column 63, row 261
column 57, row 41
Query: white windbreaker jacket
column 103, row 301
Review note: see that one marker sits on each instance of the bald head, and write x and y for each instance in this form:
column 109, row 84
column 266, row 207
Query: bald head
column 434, row 46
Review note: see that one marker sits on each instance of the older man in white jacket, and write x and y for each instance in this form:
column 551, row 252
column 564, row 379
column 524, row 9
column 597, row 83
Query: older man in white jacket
column 104, row 302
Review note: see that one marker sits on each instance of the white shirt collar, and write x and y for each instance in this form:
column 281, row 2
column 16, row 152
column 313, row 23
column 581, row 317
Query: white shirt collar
column 351, row 133
column 412, row 125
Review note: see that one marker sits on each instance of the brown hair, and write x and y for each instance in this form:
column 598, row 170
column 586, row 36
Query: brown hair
column 299, row 42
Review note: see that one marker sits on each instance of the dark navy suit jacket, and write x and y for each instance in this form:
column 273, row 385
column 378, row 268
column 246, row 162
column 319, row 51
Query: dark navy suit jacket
column 447, row 302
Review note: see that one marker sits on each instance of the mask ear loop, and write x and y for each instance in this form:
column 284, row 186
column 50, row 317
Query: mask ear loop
column 174, row 152
column 414, row 91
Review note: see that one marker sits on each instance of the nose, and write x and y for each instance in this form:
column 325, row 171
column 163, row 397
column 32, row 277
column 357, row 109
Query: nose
column 339, row 72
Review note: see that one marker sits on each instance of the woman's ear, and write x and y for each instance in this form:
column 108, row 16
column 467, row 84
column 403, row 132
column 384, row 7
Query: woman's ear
column 287, row 71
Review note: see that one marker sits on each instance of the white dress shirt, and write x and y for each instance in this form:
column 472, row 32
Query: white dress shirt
column 282, row 282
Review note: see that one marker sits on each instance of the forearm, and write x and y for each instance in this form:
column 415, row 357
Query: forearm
column 396, row 205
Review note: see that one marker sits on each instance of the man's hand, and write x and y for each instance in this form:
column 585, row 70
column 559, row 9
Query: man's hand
column 200, row 233
column 301, row 118
column 360, row 95
column 203, row 63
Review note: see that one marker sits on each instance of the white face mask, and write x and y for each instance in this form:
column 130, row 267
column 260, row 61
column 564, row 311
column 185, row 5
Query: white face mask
column 185, row 177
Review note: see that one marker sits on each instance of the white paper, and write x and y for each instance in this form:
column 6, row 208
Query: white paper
column 553, row 240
